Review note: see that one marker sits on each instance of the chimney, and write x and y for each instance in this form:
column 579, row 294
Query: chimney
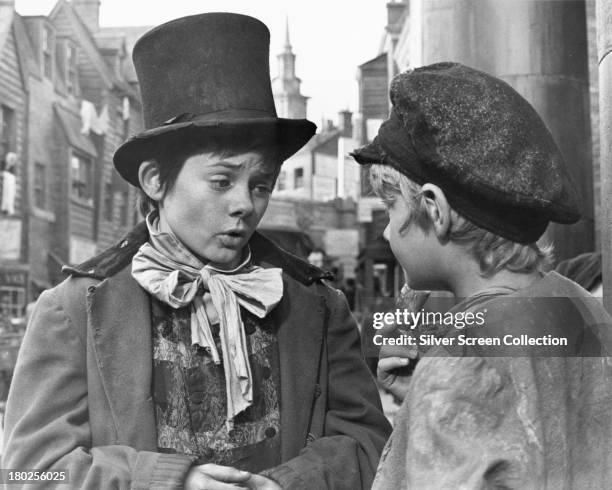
column 89, row 12
column 395, row 13
column 345, row 123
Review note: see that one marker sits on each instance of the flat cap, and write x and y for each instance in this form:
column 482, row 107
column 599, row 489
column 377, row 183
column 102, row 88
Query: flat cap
column 482, row 143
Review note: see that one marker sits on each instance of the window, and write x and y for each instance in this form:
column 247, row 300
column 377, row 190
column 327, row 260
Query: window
column 81, row 169
column 9, row 130
column 71, row 69
column 12, row 301
column 108, row 202
column 298, row 178
column 281, row 182
column 47, row 44
column 40, row 185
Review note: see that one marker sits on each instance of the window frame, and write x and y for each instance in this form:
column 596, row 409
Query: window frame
column 298, row 177
column 14, row 309
column 47, row 43
column 86, row 194
column 8, row 130
column 39, row 188
column 72, row 80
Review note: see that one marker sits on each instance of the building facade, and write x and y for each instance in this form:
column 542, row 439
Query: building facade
column 67, row 102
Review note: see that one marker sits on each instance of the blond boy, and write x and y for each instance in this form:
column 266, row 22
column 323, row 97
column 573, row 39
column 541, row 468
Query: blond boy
column 471, row 177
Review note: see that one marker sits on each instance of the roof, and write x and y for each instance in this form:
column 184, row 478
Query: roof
column 71, row 124
column 6, row 20
column 129, row 35
column 88, row 44
column 374, row 61
column 110, row 43
column 328, row 143
column 28, row 63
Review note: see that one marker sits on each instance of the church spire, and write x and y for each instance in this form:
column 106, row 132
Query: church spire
column 286, row 86
column 287, row 40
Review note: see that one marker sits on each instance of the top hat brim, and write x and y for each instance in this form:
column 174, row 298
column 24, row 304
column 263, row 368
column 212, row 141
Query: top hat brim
column 284, row 136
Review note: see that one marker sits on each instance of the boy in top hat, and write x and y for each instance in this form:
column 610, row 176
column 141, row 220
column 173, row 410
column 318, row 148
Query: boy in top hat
column 196, row 354
column 471, row 177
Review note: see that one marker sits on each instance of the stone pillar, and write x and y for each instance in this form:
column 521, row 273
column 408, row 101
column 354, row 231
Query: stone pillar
column 540, row 48
column 604, row 50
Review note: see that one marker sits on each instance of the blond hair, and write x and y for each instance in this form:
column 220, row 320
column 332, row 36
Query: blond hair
column 492, row 251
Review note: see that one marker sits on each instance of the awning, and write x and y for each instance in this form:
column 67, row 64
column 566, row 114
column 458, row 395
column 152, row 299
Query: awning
column 71, row 124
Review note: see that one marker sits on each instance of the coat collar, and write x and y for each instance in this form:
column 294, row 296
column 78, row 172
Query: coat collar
column 117, row 257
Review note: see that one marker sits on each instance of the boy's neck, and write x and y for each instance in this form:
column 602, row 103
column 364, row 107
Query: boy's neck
column 471, row 282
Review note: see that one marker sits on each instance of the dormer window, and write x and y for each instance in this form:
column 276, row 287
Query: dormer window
column 71, row 68
column 47, row 50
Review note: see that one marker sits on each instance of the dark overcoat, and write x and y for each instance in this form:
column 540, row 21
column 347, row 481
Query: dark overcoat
column 81, row 396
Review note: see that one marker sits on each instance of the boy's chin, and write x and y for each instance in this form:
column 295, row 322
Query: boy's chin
column 228, row 259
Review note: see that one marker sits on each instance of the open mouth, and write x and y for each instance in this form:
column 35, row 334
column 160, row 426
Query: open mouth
column 233, row 238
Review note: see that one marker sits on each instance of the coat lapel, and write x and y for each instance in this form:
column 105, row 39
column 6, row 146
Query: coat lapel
column 302, row 317
column 120, row 318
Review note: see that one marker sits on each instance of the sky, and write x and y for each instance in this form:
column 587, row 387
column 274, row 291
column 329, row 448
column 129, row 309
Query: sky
column 330, row 37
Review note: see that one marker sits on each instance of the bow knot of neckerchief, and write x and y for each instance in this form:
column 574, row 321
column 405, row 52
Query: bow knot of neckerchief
column 171, row 273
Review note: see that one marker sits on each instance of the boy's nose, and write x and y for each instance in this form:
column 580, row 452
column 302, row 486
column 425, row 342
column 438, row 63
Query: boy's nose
column 242, row 202
column 387, row 232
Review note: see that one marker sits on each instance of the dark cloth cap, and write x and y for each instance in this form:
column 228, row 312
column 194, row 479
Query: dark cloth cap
column 482, row 143
column 204, row 78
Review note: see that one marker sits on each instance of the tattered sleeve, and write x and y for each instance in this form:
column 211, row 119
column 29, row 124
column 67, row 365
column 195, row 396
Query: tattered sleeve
column 466, row 423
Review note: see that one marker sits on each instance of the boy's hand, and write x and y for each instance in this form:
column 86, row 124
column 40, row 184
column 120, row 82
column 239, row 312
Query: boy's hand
column 216, row 477
column 391, row 377
column 393, row 369
column 258, row 482
column 412, row 299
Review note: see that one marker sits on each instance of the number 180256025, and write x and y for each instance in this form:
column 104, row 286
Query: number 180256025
column 33, row 476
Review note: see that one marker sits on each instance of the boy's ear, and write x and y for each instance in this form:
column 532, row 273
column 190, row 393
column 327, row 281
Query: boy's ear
column 148, row 175
column 438, row 209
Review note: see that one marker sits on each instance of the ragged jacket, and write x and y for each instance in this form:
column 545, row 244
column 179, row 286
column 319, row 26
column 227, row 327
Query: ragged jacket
column 517, row 418
column 80, row 399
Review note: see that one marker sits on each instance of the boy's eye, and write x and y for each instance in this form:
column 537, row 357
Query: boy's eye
column 263, row 189
column 220, row 183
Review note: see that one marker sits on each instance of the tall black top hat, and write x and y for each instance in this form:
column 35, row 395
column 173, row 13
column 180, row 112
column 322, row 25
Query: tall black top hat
column 201, row 77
